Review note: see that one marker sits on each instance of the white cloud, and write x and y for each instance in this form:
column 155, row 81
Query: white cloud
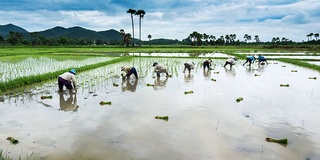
column 292, row 19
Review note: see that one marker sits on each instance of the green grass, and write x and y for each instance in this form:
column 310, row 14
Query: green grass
column 300, row 63
column 6, row 157
column 21, row 50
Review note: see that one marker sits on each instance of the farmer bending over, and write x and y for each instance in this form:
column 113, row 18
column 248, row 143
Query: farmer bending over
column 159, row 68
column 189, row 66
column 129, row 71
column 231, row 61
column 68, row 79
column 262, row 59
column 250, row 59
column 207, row 64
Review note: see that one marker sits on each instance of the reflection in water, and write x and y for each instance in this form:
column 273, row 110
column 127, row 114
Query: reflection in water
column 160, row 83
column 129, row 84
column 207, row 74
column 70, row 104
column 188, row 77
column 261, row 68
column 230, row 71
column 249, row 69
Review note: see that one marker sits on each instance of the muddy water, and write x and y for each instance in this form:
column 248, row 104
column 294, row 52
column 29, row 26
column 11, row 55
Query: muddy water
column 208, row 124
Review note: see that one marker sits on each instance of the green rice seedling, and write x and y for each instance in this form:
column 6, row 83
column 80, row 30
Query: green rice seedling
column 239, row 99
column 281, row 141
column 150, row 85
column 105, row 103
column 165, row 118
column 12, row 140
column 284, row 85
column 188, row 92
column 46, row 97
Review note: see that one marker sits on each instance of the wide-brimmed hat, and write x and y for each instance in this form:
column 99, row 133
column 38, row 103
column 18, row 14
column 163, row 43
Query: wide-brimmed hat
column 73, row 71
column 155, row 63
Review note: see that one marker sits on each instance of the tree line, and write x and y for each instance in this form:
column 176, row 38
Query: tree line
column 194, row 39
column 198, row 39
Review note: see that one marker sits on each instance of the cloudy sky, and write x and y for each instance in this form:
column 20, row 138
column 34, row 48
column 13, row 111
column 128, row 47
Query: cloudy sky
column 172, row 19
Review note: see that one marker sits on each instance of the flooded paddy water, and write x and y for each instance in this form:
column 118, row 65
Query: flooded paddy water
column 208, row 124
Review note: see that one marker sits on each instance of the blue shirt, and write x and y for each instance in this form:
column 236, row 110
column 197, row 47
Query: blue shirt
column 251, row 58
column 261, row 58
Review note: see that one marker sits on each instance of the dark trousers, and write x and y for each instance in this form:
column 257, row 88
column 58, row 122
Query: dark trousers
column 227, row 63
column 133, row 71
column 206, row 65
column 62, row 82
column 248, row 60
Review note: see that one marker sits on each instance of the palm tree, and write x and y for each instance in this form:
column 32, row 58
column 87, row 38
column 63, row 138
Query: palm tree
column 309, row 36
column 205, row 37
column 127, row 39
column 141, row 14
column 132, row 12
column 123, row 35
column 316, row 35
column 233, row 37
column 149, row 37
column 256, row 38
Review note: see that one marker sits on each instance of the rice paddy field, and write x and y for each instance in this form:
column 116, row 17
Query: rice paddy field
column 229, row 114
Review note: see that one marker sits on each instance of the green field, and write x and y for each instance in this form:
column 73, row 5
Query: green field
column 18, row 54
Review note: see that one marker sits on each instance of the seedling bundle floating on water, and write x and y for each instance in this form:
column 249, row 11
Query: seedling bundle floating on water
column 104, row 103
column 281, row 141
column 284, row 85
column 239, row 99
column 46, row 97
column 148, row 84
column 12, row 140
column 166, row 118
column 313, row 78
column 188, row 92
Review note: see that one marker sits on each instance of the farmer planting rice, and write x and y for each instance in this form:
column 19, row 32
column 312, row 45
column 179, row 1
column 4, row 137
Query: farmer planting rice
column 189, row 66
column 68, row 79
column 207, row 64
column 250, row 59
column 262, row 59
column 129, row 71
column 159, row 68
column 231, row 61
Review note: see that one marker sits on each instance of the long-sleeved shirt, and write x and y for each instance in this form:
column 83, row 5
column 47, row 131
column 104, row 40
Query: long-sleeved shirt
column 251, row 58
column 160, row 68
column 261, row 58
column 69, row 77
column 190, row 65
column 231, row 60
column 127, row 70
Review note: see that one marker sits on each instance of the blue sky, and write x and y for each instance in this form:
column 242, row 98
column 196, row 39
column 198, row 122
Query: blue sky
column 172, row 19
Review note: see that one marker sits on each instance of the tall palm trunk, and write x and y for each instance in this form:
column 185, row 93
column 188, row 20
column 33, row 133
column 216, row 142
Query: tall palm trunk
column 132, row 30
column 139, row 31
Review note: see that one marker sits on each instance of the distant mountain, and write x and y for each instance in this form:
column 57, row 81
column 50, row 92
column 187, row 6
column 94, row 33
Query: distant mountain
column 73, row 32
column 5, row 29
